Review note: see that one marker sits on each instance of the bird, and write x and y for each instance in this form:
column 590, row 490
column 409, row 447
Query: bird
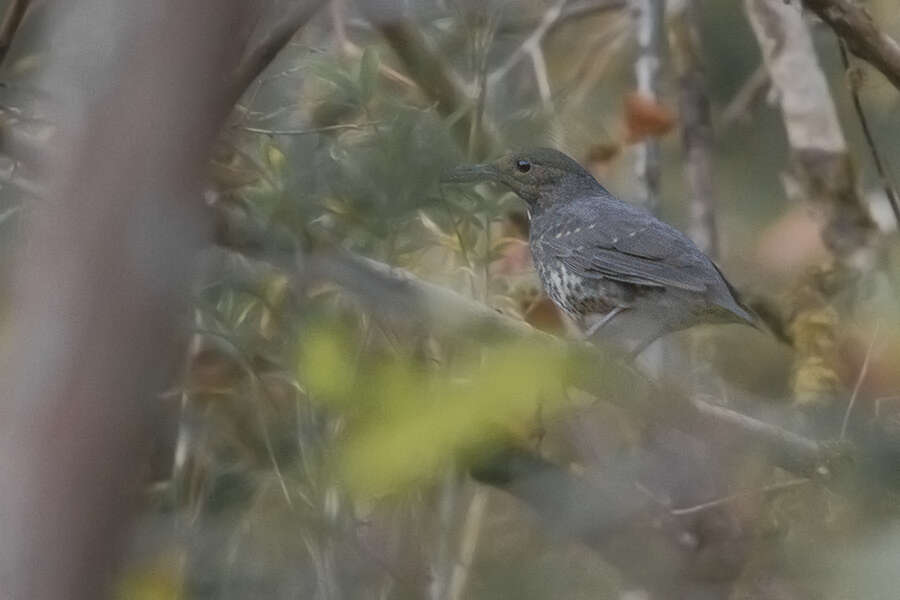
column 610, row 265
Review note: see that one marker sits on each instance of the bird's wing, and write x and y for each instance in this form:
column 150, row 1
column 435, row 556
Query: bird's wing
column 627, row 245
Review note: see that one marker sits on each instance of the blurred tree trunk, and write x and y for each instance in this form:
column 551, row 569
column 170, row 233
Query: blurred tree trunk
column 101, row 282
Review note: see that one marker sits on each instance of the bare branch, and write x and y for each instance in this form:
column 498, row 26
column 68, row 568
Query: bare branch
column 863, row 371
column 886, row 182
column 855, row 26
column 12, row 19
column 258, row 58
column 395, row 290
column 531, row 44
column 586, row 8
column 313, row 130
column 764, row 491
column 745, row 97
column 392, row 291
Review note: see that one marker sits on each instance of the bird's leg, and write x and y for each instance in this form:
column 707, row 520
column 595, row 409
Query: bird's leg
column 606, row 319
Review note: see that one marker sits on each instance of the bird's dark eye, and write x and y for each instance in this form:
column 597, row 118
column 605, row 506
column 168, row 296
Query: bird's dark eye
column 523, row 166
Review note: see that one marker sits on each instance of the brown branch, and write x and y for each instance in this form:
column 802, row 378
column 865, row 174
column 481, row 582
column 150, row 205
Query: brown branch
column 855, row 26
column 264, row 52
column 738, row 107
column 391, row 291
column 611, row 513
column 12, row 19
column 886, row 183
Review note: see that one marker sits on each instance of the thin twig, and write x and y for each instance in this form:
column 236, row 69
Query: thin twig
column 482, row 38
column 745, row 97
column 586, row 8
column 859, row 381
column 769, row 489
column 470, row 532
column 430, row 70
column 541, row 77
column 257, row 59
column 441, row 565
column 312, row 130
column 351, row 50
column 530, row 43
column 257, row 389
column 886, row 182
column 12, row 20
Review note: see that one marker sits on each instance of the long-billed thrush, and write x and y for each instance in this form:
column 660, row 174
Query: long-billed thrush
column 605, row 262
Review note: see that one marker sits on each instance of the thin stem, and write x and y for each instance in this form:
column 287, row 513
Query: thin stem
column 746, row 96
column 886, row 182
column 470, row 533
column 859, row 381
column 530, row 43
column 769, row 489
column 313, row 130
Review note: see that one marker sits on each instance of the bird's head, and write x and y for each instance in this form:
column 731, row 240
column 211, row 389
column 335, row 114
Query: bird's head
column 541, row 177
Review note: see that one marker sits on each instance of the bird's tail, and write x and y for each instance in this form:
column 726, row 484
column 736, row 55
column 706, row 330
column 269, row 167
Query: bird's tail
column 742, row 311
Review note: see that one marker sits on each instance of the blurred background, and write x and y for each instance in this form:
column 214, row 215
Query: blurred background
column 254, row 349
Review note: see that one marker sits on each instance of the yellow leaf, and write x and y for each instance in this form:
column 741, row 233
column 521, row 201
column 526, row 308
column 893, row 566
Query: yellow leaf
column 424, row 423
column 275, row 158
column 326, row 367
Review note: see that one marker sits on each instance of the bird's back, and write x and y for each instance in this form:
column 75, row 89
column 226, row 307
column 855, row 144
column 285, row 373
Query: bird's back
column 599, row 239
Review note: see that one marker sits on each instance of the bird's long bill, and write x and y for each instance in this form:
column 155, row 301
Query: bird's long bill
column 470, row 174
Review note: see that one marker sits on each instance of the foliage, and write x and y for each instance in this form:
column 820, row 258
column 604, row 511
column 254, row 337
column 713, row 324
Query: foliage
column 325, row 439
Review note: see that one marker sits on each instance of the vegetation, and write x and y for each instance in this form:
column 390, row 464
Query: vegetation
column 371, row 396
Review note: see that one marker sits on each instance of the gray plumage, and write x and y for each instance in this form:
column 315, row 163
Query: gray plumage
column 607, row 263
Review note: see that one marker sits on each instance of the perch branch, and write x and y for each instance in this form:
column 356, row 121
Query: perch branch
column 385, row 289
